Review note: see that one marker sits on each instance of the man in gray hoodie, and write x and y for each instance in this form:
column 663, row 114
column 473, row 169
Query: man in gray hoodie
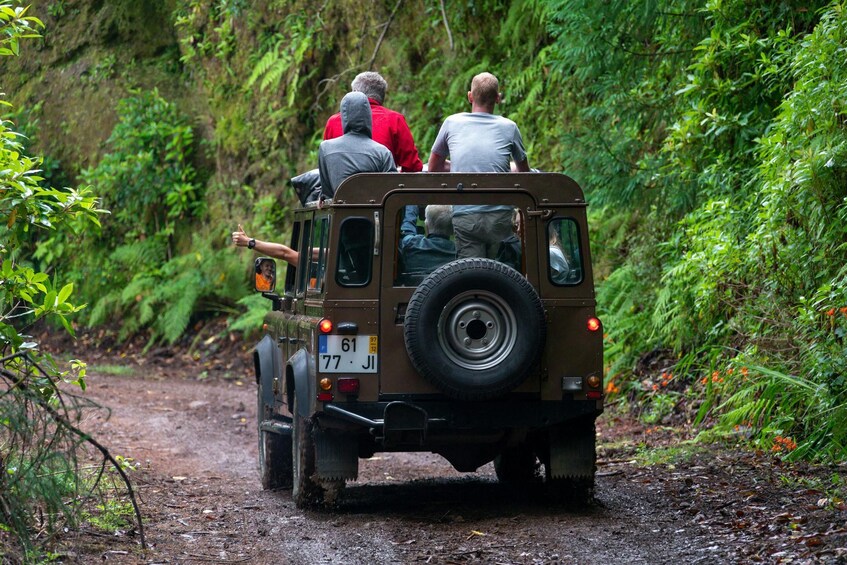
column 355, row 151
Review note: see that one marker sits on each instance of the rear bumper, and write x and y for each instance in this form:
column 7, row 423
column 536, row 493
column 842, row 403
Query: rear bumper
column 455, row 416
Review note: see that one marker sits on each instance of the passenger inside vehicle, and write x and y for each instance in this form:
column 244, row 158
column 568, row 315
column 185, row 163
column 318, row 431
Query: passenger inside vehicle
column 420, row 254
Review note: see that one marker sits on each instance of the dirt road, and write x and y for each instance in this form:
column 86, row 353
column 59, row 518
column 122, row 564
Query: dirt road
column 203, row 503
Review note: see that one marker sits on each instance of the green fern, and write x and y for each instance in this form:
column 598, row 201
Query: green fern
column 264, row 65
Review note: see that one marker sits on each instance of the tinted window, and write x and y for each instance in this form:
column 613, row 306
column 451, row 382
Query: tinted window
column 564, row 257
column 355, row 252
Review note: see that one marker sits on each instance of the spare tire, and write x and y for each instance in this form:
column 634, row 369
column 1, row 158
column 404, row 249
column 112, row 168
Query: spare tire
column 475, row 329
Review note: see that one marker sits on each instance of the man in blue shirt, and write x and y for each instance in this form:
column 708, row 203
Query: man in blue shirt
column 422, row 254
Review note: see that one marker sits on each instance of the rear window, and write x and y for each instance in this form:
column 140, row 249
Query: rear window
column 564, row 266
column 423, row 247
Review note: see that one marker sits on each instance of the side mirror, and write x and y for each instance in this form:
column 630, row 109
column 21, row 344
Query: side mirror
column 265, row 274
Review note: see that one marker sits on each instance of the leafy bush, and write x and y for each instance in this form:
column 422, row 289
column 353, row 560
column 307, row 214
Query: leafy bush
column 42, row 488
column 147, row 176
column 157, row 274
column 792, row 259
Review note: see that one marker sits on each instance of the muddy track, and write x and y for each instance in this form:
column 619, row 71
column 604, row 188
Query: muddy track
column 202, row 499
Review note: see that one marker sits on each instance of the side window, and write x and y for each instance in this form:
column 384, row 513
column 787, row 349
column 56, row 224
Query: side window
column 291, row 270
column 565, row 259
column 318, row 255
column 305, row 257
column 355, row 252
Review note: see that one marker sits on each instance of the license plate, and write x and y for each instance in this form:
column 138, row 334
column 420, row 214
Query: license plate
column 347, row 354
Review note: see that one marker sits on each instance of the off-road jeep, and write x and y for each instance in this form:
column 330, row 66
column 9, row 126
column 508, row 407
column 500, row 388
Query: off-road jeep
column 477, row 361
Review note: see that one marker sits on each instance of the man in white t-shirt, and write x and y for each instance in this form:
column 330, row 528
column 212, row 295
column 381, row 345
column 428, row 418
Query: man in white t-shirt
column 479, row 142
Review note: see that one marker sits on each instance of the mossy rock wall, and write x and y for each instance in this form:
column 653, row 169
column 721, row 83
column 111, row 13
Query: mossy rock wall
column 254, row 129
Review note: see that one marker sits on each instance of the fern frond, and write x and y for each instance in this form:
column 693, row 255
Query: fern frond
column 267, row 61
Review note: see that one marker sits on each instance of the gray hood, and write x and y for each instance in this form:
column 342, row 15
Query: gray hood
column 356, row 114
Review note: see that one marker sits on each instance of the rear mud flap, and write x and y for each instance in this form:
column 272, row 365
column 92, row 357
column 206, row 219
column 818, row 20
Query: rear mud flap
column 336, row 456
column 572, row 451
column 404, row 424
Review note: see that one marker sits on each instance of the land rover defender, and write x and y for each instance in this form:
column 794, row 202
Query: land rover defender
column 478, row 360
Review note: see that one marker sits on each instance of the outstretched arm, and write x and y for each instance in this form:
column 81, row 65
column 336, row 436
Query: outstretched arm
column 275, row 250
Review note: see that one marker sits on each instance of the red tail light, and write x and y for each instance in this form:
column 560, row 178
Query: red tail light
column 325, row 326
column 593, row 324
column 324, row 397
column 348, row 385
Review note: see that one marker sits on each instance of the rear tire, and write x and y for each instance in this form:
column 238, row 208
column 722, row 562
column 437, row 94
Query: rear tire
column 305, row 491
column 517, row 465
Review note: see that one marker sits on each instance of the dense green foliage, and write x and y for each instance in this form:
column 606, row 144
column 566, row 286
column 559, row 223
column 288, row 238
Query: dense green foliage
column 42, row 488
column 148, row 180
column 708, row 134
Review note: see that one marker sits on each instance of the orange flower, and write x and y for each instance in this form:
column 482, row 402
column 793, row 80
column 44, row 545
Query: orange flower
column 744, row 371
column 783, row 443
column 843, row 310
column 830, row 312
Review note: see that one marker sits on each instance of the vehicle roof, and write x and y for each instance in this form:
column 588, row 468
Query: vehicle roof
column 373, row 188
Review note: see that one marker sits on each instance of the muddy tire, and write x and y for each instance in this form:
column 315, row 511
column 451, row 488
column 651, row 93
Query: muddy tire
column 475, row 329
column 305, row 491
column 517, row 465
column 574, row 491
column 275, row 462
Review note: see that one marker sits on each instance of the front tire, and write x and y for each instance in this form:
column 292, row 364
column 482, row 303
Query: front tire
column 275, row 464
column 275, row 460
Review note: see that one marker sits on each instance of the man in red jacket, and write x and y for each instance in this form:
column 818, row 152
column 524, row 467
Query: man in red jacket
column 389, row 127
